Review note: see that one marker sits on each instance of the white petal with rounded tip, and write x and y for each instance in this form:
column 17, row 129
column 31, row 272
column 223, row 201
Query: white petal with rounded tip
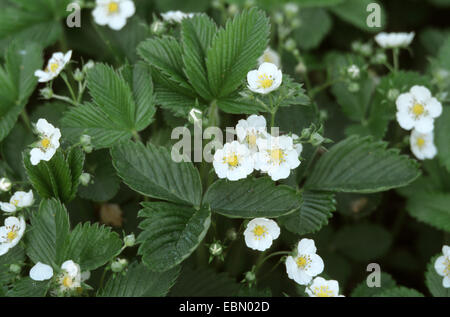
column 127, row 8
column 446, row 250
column 439, row 265
column 316, row 267
column 421, row 94
column 434, row 107
column 405, row 120
column 7, row 207
column 41, row 272
column 306, row 246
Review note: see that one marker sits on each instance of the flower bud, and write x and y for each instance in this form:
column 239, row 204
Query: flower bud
column 195, row 116
column 46, row 93
column 129, row 240
column 119, row 265
column 233, row 9
column 215, row 249
column 250, row 276
column 15, row 268
column 353, row 87
column 85, row 179
column 353, row 71
column 78, row 75
column 296, row 23
column 85, row 139
column 379, row 58
column 393, row 94
column 90, row 64
column 290, row 9
column 316, row 139
column 301, row 68
column 5, row 184
column 290, row 45
column 278, row 17
column 157, row 28
column 231, row 234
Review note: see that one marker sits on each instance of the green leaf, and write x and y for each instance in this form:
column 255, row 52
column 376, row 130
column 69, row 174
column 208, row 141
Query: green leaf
column 251, row 198
column 430, row 208
column 317, row 3
column 165, row 54
column 26, row 287
column 197, row 34
column 237, row 104
column 363, row 290
column 151, row 171
column 17, row 82
column 12, row 147
column 47, row 239
column 316, row 209
column 92, row 246
column 105, row 182
column 442, row 139
column 363, row 242
column 58, row 177
column 235, row 50
column 140, row 281
column 316, row 23
column 362, row 165
column 204, row 282
column 120, row 106
column 434, row 280
column 170, row 233
column 355, row 12
column 400, row 291
column 15, row 255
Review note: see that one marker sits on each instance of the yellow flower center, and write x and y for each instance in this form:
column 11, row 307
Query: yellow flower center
column 302, row 261
column 259, row 231
column 418, row 109
column 45, row 143
column 265, row 81
column 67, row 281
column 267, row 58
column 420, row 142
column 251, row 139
column 277, row 156
column 113, row 7
column 323, row 291
column 447, row 266
column 232, row 160
column 54, row 67
column 11, row 235
column 15, row 202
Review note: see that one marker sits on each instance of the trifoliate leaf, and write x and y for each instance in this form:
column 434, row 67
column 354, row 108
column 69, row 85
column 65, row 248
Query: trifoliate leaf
column 151, row 171
column 235, row 50
column 316, row 209
column 252, row 198
column 91, row 246
column 362, row 165
column 47, row 239
column 430, row 208
column 170, row 233
column 140, row 281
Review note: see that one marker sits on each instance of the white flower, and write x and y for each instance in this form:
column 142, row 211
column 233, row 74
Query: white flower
column 394, row 40
column 297, row 146
column 306, row 264
column 422, row 145
column 442, row 266
column 5, row 184
column 71, row 276
column 248, row 131
column 233, row 161
column 260, row 233
column 320, row 287
column 417, row 109
column 353, row 71
column 18, row 201
column 11, row 233
column 175, row 16
column 55, row 65
column 269, row 56
column 48, row 144
column 265, row 79
column 276, row 156
column 41, row 272
column 113, row 13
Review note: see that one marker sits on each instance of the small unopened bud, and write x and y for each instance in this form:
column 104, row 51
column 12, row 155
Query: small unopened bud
column 379, row 58
column 5, row 184
column 90, row 64
column 233, row 9
column 119, row 265
column 353, row 71
column 249, row 3
column 393, row 94
column 316, row 139
column 231, row 234
column 353, row 87
column 195, row 116
column 129, row 240
column 85, row 179
column 157, row 27
column 290, row 9
column 250, row 276
column 278, row 18
column 301, row 68
column 78, row 75
column 290, row 45
column 306, row 133
column 296, row 23
column 366, row 49
column 46, row 93
column 85, row 139
column 215, row 249
column 15, row 268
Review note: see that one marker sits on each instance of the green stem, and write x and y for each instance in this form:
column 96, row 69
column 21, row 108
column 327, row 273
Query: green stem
column 69, row 86
column 258, row 266
column 136, row 136
column 65, row 99
column 395, row 55
column 26, row 119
